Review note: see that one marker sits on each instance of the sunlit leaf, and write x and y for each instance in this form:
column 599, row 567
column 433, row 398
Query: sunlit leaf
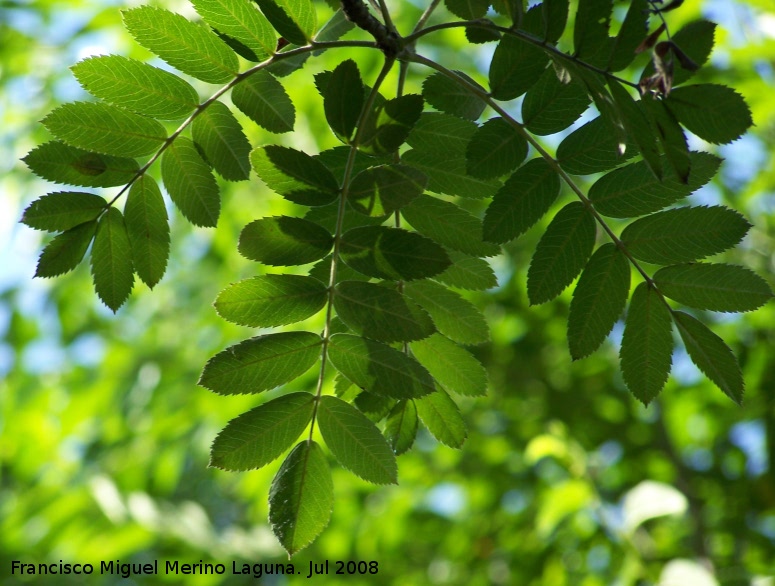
column 449, row 96
column 441, row 416
column 441, row 133
column 453, row 367
column 295, row 175
column 66, row 250
column 219, row 135
column 467, row 272
column 448, row 174
column 241, row 22
column 111, row 260
column 148, row 229
column 62, row 210
column 55, row 161
column 284, row 241
column 495, row 148
column 263, row 99
column 381, row 190
column 295, row 20
column 401, row 426
column 389, row 123
column 190, row 183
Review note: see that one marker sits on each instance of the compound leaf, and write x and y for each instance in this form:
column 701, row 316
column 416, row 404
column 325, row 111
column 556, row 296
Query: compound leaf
column 190, row 183
column 453, row 367
column 62, row 210
column 258, row 437
column 715, row 113
column 261, row 363
column 111, row 260
column 495, row 148
column 262, row 98
column 401, row 426
column 441, row 416
column 219, row 135
column 58, row 162
column 552, row 105
column 356, row 442
column 239, row 21
column 295, row 175
column 295, row 20
column 516, row 65
column 148, row 229
column 66, row 250
column 449, row 96
column 284, row 241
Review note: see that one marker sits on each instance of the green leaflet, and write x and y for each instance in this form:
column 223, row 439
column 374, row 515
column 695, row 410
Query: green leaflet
column 66, row 250
column 546, row 20
column 136, row 86
column 343, row 99
column 523, row 200
column 190, row 183
column 442, row 133
column 258, row 437
column 271, row 300
column 261, row 363
column 495, row 148
column 711, row 355
column 263, row 99
column 401, row 426
column 447, row 174
column 552, row 105
column 105, row 129
column 442, row 417
column 240, row 22
column 598, row 300
column 647, row 345
column 631, row 34
column 334, row 29
column 356, row 442
column 715, row 287
column 374, row 407
column 62, row 210
column 284, row 241
column 468, row 9
column 187, row 46
column 453, row 316
column 592, row 148
column 55, row 161
column 591, row 42
column 148, row 229
column 336, row 161
column 219, row 135
column 561, row 253
column 670, row 136
column 451, row 97
column 111, row 260
column 295, row 20
column 696, row 41
column 380, row 313
column 449, row 225
column 516, row 65
column 327, row 217
column 301, row 497
column 633, row 190
column 454, row 368
column 381, row 190
column 388, row 125
column 713, row 112
column 468, row 272
column 392, row 253
column 637, row 127
column 295, row 175
column 378, row 368
column 684, row 234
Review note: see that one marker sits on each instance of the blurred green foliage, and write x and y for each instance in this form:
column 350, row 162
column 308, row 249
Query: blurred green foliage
column 104, row 435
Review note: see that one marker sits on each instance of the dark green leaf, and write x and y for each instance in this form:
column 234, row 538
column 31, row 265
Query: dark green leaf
column 295, row 175
column 111, row 260
column 591, row 42
column 454, row 316
column 136, row 86
column 261, row 363
column 263, row 99
column 716, row 287
column 634, row 29
column 284, row 241
column 468, row 9
column 479, row 36
column 356, row 442
column 295, row 20
column 106, row 129
column 256, row 438
column 713, row 112
column 592, row 148
column 561, row 253
column 647, row 345
column 148, row 229
column 187, row 46
column 495, row 148
column 447, row 174
column 442, row 417
column 219, row 135
column 327, row 217
column 598, row 300
column 55, row 161
column 516, row 65
column 468, row 272
column 66, row 251
column 378, row 368
column 401, row 426
column 633, row 190
column 380, row 313
column 443, row 133
column 552, row 105
column 374, row 407
column 637, row 127
column 684, row 234
column 190, row 183
column 696, row 41
column 301, row 497
column 523, row 200
column 335, row 28
column 449, row 96
column 343, row 99
column 271, row 300
column 711, row 355
column 388, row 125
column 392, row 253
column 62, row 210
column 380, row 191
column 336, row 161
column 240, row 21
column 453, row 367
column 670, row 136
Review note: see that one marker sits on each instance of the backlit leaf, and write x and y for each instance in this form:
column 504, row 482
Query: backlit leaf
column 696, row 41
column 217, row 132
column 552, row 105
column 148, row 229
column 261, row 363
column 263, row 99
column 670, row 136
column 468, row 272
column 516, row 65
column 284, row 241
column 442, row 417
column 647, row 345
column 55, row 161
column 715, row 113
column 495, row 148
column 453, row 367
column 468, row 9
column 343, row 99
column 295, row 175
column 388, row 125
column 631, row 34
column 190, row 183
column 111, row 260
column 443, row 133
column 447, row 174
column 66, row 250
column 447, row 95
column 271, row 300
column 256, row 438
column 591, row 42
column 62, row 210
column 381, row 190
column 240, row 21
column 295, row 20
column 356, row 442
column 592, row 148
column 401, row 426
column 637, row 127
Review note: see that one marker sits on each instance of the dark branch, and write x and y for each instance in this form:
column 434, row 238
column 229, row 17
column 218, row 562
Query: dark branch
column 358, row 13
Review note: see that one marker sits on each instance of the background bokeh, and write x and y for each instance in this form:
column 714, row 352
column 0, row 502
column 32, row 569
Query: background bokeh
column 565, row 479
